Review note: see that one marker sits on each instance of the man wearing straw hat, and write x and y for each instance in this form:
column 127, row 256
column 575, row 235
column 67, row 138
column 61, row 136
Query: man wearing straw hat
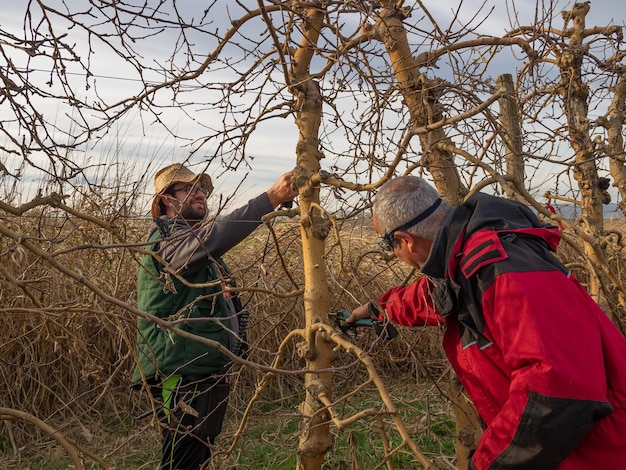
column 187, row 282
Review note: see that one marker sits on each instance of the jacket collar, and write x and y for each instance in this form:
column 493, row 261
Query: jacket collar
column 481, row 211
column 449, row 236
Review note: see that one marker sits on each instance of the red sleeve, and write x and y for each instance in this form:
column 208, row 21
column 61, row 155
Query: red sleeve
column 547, row 328
column 411, row 305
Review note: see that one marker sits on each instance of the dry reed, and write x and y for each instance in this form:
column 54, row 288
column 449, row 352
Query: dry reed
column 66, row 354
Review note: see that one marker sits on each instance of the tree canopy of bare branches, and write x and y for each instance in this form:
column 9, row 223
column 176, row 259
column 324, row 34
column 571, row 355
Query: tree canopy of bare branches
column 478, row 96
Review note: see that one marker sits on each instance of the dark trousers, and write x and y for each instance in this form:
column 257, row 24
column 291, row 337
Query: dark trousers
column 191, row 418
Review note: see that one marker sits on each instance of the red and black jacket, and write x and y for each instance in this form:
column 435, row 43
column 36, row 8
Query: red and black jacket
column 543, row 364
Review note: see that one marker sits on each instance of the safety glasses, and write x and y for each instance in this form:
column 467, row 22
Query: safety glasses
column 190, row 188
column 386, row 240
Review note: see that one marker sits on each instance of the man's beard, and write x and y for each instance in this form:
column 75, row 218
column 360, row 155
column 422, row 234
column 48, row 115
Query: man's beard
column 191, row 212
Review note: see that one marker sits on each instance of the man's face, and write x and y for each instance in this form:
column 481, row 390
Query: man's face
column 395, row 245
column 410, row 249
column 188, row 201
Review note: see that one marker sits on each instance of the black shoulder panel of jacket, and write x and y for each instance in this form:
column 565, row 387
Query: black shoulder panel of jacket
column 520, row 253
column 485, row 248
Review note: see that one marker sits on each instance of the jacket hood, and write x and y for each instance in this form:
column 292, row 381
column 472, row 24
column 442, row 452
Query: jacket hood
column 483, row 212
column 487, row 212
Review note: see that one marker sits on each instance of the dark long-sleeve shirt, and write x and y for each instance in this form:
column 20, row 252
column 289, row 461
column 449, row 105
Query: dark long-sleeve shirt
column 186, row 248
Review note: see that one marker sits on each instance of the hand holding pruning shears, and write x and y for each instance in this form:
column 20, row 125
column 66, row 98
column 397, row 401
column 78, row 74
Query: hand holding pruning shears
column 384, row 329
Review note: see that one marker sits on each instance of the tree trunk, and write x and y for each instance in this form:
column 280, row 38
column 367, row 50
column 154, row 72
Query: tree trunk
column 511, row 132
column 614, row 123
column 468, row 428
column 421, row 97
column 315, row 439
column 575, row 94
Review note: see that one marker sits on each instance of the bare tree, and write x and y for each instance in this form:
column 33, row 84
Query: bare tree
column 367, row 89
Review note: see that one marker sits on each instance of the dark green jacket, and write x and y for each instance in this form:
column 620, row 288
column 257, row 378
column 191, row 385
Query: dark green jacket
column 194, row 254
column 162, row 352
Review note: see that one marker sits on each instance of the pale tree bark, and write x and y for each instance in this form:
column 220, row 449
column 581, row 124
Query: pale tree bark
column 575, row 94
column 420, row 95
column 315, row 437
column 421, row 98
column 613, row 122
column 511, row 133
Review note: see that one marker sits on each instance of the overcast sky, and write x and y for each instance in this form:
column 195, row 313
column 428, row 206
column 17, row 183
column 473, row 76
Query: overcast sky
column 274, row 145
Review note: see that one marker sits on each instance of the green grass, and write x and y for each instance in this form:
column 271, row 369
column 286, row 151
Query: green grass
column 128, row 459
column 270, row 440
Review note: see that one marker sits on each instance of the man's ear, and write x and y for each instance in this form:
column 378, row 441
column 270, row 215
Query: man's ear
column 407, row 237
column 166, row 198
column 167, row 201
column 418, row 247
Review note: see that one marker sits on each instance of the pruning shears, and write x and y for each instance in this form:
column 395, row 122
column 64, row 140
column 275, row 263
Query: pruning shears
column 384, row 329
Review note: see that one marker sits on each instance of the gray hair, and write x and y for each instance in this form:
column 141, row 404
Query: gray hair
column 404, row 198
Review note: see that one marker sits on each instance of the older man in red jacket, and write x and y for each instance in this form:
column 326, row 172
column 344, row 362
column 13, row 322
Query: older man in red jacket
column 543, row 364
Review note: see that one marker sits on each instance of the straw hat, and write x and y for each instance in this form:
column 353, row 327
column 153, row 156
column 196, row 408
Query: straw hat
column 176, row 173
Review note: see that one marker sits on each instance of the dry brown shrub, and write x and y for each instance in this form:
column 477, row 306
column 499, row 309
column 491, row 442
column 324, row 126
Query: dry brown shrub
column 64, row 351
column 66, row 354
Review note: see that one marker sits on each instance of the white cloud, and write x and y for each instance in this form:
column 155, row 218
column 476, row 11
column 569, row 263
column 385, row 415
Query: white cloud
column 273, row 145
